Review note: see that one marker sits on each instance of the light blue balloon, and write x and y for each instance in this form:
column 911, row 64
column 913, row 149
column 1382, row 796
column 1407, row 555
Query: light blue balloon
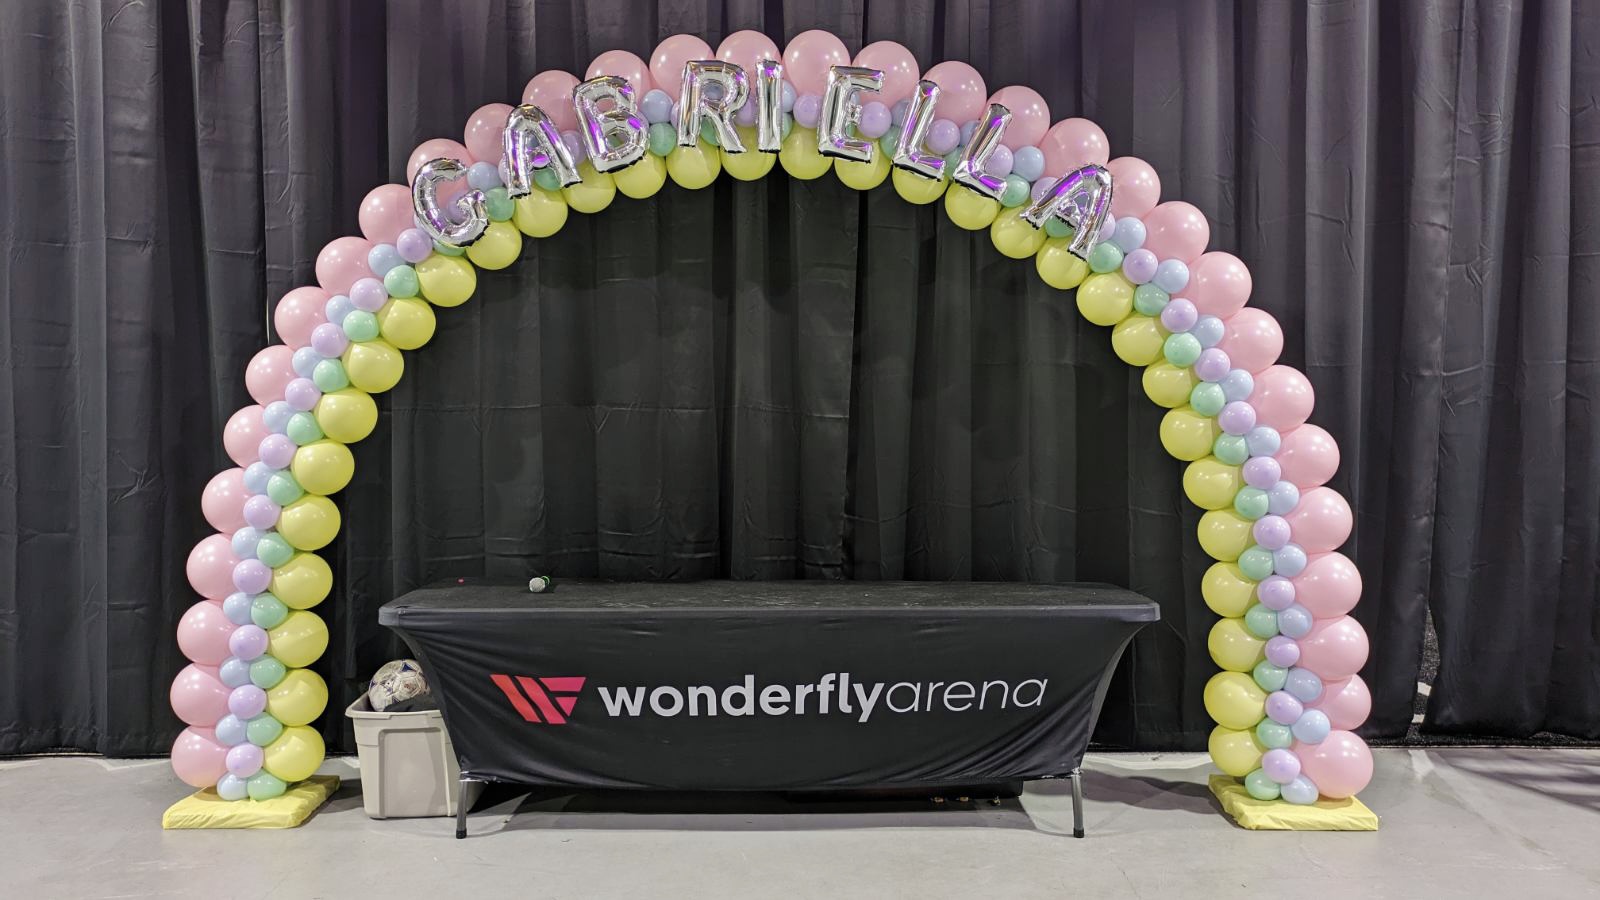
column 1282, row 497
column 1263, row 440
column 789, row 98
column 656, row 106
column 482, row 176
column 305, row 361
column 1237, row 385
column 383, row 257
column 1312, row 727
column 1172, row 275
column 967, row 131
column 1289, row 561
column 897, row 114
column 231, row 730
column 234, row 672
column 1027, row 162
column 243, row 543
column 337, row 307
column 1300, row 791
column 1301, row 683
column 1129, row 234
column 276, row 416
column 237, row 607
column 256, row 476
column 1295, row 622
column 232, row 787
column 1207, row 329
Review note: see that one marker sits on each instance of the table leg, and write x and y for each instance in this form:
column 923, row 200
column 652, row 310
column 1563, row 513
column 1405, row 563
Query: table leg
column 463, row 803
column 1077, row 803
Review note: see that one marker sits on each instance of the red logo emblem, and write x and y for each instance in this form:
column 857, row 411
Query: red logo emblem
column 531, row 696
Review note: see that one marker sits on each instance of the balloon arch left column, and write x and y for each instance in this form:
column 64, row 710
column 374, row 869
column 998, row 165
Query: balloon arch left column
column 1288, row 695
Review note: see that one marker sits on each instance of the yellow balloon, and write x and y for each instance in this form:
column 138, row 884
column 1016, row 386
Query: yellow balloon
column 1059, row 267
column 1226, row 589
column 1188, row 435
column 374, row 366
column 640, row 180
column 1013, row 236
column 1224, row 534
column 542, row 213
column 1168, row 385
column 1137, row 340
column 499, row 246
column 594, row 193
column 1105, row 298
column 323, row 467
column 864, row 176
column 299, row 698
column 752, row 163
column 303, row 581
column 347, row 415
column 299, row 639
column 1237, row 753
column 1210, row 483
column 970, row 209
column 310, row 523
column 295, row 755
column 914, row 188
column 800, row 157
column 1234, row 701
column 1233, row 647
column 446, row 280
column 694, row 167
column 408, row 322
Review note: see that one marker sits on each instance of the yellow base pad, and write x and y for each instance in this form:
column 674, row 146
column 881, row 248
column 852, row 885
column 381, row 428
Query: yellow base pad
column 1275, row 815
column 204, row 809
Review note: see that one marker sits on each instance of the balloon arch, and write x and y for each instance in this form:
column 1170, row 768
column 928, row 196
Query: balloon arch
column 1288, row 695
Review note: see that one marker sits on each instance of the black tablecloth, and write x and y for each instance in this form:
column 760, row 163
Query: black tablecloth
column 768, row 685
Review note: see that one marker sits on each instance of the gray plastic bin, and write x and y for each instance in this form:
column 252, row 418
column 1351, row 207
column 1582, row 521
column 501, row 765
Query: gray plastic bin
column 408, row 768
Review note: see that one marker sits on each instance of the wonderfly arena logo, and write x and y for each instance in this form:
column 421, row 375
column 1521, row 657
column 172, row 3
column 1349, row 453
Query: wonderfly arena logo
column 836, row 693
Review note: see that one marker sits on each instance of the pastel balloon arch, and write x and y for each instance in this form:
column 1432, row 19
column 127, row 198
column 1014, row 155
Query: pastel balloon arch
column 1288, row 696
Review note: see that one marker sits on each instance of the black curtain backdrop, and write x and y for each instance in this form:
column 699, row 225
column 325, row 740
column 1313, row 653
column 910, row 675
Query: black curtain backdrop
column 793, row 380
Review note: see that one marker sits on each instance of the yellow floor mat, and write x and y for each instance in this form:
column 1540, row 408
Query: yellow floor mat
column 1274, row 815
column 204, row 809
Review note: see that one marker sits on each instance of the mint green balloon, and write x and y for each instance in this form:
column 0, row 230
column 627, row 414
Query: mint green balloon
column 1015, row 193
column 267, row 611
column 663, row 138
column 361, row 326
column 303, row 429
column 545, row 178
column 1107, row 257
column 1149, row 300
column 1260, row 621
column 329, row 376
column 1207, row 398
column 447, row 250
column 401, row 281
column 1056, row 228
column 266, row 672
column 283, row 489
column 262, row 730
column 272, row 549
column 1251, row 502
column 1180, row 349
column 1256, row 563
column 889, row 141
column 497, row 202
column 1270, row 677
column 1231, row 449
column 264, row 785
column 1261, row 787
column 1273, row 735
column 708, row 133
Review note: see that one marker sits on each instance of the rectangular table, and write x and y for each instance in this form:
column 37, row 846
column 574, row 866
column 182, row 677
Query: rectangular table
column 768, row 686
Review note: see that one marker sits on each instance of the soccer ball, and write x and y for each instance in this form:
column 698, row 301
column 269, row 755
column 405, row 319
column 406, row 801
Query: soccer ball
column 396, row 683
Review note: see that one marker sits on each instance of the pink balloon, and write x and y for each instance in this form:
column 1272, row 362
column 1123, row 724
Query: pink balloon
column 203, row 633
column 1219, row 283
column 198, row 758
column 1251, row 338
column 242, row 435
column 1030, row 117
column 1072, row 144
column 1329, row 586
column 746, row 48
column 386, row 212
column 628, row 66
column 198, row 696
column 1308, row 456
column 899, row 67
column 1340, row 766
column 268, row 373
column 439, row 148
column 342, row 263
column 223, row 501
column 962, row 94
column 297, row 313
column 1283, row 398
column 482, row 138
column 1175, row 230
column 1345, row 702
column 666, row 63
column 1334, row 648
column 809, row 56
column 210, row 569
column 551, row 91
column 1322, row 520
column 1135, row 186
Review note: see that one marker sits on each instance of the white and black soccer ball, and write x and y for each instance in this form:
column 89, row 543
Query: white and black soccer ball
column 396, row 683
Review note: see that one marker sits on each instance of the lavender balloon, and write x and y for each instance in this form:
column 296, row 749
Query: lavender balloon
column 261, row 512
column 1283, row 708
column 1213, row 364
column 329, row 340
column 1237, row 417
column 251, row 576
column 1040, row 188
column 414, row 246
column 657, row 106
column 1282, row 651
column 1276, row 592
column 943, row 136
column 276, row 450
column 247, row 701
column 1140, row 266
column 368, row 294
column 1280, row 765
column 574, row 144
column 1262, row 472
column 746, row 115
column 302, row 394
column 248, row 642
column 244, row 760
column 1271, row 532
column 876, row 120
column 1000, row 161
column 1179, row 315
column 807, row 110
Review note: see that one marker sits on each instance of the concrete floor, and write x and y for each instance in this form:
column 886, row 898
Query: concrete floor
column 1456, row 823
